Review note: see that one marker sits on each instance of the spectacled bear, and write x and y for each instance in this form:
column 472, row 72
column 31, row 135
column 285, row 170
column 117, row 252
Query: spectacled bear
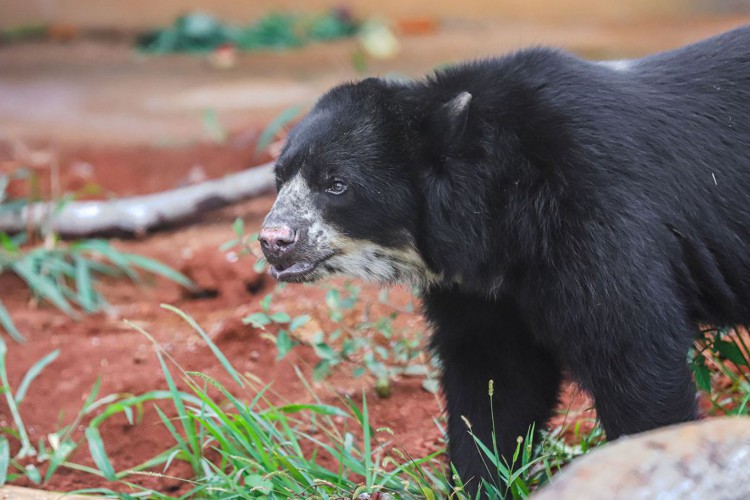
column 558, row 214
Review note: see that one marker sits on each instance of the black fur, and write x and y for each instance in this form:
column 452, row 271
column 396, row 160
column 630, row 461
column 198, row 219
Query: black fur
column 580, row 217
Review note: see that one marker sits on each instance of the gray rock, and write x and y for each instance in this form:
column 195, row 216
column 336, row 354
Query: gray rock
column 709, row 459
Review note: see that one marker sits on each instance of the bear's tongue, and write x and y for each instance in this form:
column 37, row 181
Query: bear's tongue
column 294, row 271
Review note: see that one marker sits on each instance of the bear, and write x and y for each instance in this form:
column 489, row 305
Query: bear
column 561, row 217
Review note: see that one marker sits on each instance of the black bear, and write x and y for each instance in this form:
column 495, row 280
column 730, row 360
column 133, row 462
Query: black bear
column 558, row 214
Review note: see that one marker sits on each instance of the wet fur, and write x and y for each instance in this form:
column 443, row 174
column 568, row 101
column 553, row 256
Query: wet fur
column 571, row 215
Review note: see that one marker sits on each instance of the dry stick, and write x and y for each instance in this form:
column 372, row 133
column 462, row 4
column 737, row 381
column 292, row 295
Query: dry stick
column 137, row 214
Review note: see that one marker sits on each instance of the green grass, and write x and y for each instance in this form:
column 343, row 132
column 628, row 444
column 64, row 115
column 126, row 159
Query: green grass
column 242, row 441
column 723, row 353
column 199, row 33
column 244, row 446
column 65, row 274
column 369, row 346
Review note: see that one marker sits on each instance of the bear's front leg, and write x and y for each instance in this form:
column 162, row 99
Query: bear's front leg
column 478, row 340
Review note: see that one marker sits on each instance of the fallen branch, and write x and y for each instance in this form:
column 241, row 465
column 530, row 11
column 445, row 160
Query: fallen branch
column 137, row 215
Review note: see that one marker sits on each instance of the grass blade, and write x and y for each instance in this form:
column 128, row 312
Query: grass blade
column 7, row 323
column 187, row 426
column 103, row 248
column 157, row 267
column 33, row 373
column 27, row 449
column 43, row 286
column 84, row 287
column 4, row 459
column 99, row 454
column 217, row 352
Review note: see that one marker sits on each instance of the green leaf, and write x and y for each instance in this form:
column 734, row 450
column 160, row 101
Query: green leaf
column 7, row 323
column 98, row 453
column 382, row 352
column 84, row 286
column 284, row 344
column 333, row 299
column 320, row 409
column 321, row 370
column 259, row 265
column 365, row 422
column 228, row 244
column 265, row 303
column 238, row 226
column 101, row 247
column 298, row 322
column 59, row 455
column 33, row 474
column 730, row 351
column 324, row 351
column 33, row 373
column 416, row 370
column 42, row 286
column 257, row 483
column 215, row 350
column 7, row 243
column 4, row 459
column 702, row 374
column 431, row 385
column 258, row 320
column 281, row 317
column 156, row 267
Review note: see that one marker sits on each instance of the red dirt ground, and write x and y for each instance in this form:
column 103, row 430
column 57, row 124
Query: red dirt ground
column 103, row 346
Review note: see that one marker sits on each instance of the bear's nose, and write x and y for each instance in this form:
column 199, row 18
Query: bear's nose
column 277, row 240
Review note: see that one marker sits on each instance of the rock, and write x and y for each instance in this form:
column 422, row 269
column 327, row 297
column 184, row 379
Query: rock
column 704, row 459
column 19, row 493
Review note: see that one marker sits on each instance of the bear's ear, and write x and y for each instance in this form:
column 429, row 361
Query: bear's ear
column 454, row 115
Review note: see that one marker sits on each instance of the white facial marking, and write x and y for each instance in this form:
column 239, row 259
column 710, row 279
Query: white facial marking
column 372, row 262
column 294, row 202
column 348, row 256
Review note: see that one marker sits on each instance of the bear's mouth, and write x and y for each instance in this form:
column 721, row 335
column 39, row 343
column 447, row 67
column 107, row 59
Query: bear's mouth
column 297, row 271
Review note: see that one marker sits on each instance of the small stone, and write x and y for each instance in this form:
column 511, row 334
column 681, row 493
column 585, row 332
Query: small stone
column 383, row 387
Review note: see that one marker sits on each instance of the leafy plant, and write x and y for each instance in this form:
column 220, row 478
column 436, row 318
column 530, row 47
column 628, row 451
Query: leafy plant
column 371, row 346
column 243, row 242
column 247, row 447
column 65, row 274
column 198, row 32
column 53, row 451
column 532, row 464
column 724, row 353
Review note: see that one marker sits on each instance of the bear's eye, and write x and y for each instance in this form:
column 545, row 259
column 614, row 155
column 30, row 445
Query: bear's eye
column 336, row 187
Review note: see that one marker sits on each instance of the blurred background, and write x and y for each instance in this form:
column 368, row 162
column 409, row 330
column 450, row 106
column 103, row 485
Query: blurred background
column 124, row 71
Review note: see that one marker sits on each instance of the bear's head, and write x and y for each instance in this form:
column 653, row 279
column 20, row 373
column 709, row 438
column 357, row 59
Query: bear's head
column 349, row 201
